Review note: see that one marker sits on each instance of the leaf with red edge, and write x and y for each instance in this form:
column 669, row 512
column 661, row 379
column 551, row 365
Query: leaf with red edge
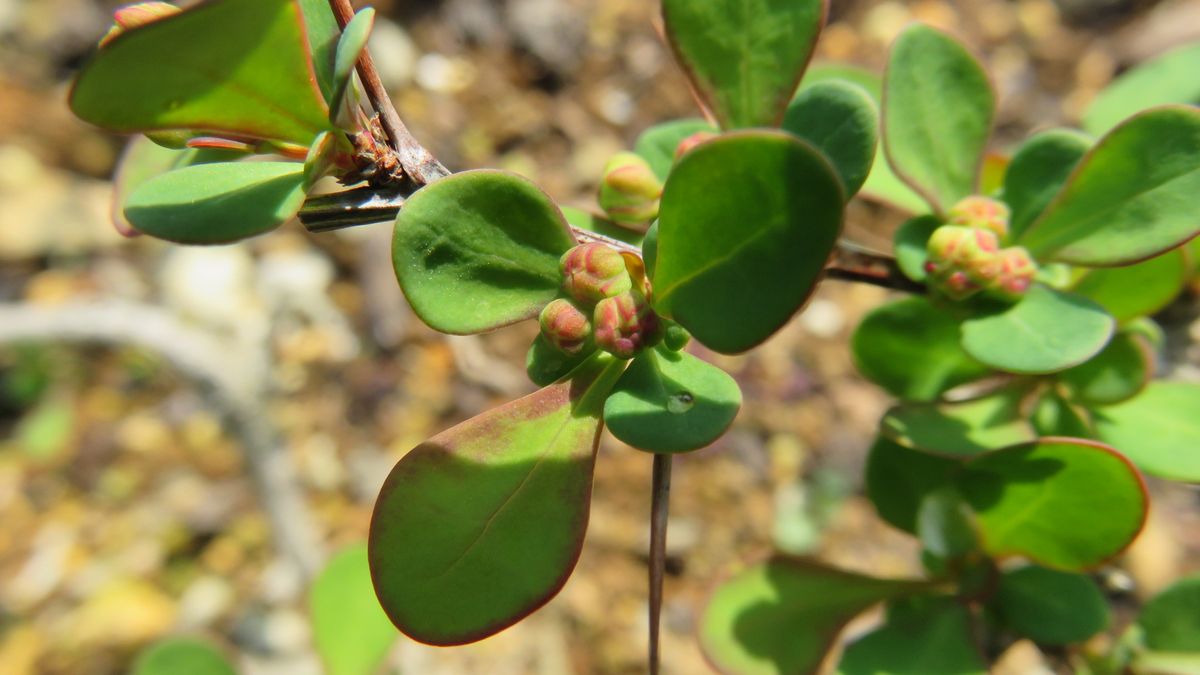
column 482, row 524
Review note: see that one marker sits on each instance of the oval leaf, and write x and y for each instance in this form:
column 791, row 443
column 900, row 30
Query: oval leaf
column 839, row 119
column 657, row 145
column 1051, row 607
column 783, row 615
column 1047, row 331
column 1117, row 373
column 1159, row 430
column 1038, row 171
column 911, row 349
column 479, row 250
column 744, row 58
column 144, row 159
column 1137, row 290
column 898, row 479
column 482, row 524
column 937, row 115
column 217, row 203
column 911, row 243
column 182, row 656
column 1066, row 504
column 1170, row 78
column 1170, row 620
column 351, row 632
column 321, row 29
column 1131, row 196
column 922, row 636
column 258, row 81
column 671, row 402
column 747, row 223
column 960, row 429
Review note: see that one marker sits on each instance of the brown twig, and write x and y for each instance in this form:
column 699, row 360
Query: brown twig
column 659, row 507
column 417, row 162
column 852, row 262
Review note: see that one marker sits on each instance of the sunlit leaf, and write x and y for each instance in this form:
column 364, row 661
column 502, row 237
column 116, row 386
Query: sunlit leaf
column 182, row 656
column 960, row 428
column 1170, row 78
column 1117, row 373
column 840, row 120
column 351, row 632
column 1140, row 289
column 899, row 478
column 1038, row 171
column 1159, row 429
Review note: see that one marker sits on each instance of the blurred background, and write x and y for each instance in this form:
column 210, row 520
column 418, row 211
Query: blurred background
column 187, row 433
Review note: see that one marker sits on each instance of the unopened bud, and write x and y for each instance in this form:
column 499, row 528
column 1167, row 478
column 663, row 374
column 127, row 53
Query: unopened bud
column 592, row 272
column 983, row 212
column 137, row 15
column 565, row 326
column 630, row 190
column 1016, row 275
column 625, row 324
column 692, row 141
column 962, row 260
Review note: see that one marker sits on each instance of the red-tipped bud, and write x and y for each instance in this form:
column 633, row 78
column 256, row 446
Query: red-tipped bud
column 592, row 272
column 625, row 324
column 962, row 260
column 630, row 190
column 565, row 326
column 136, row 15
column 983, row 212
column 1016, row 275
column 692, row 141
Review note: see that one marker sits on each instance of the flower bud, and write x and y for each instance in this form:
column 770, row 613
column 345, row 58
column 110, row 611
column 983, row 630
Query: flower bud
column 630, row 190
column 983, row 212
column 625, row 324
column 565, row 326
column 592, row 272
column 136, row 15
column 962, row 260
column 1016, row 275
column 692, row 141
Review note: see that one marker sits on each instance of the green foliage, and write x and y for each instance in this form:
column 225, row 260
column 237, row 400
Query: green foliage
column 671, row 402
column 899, row 478
column 216, row 203
column 944, row 524
column 744, row 57
column 489, row 236
column 911, row 245
column 321, row 30
column 168, row 75
column 1157, row 430
column 351, row 632
column 659, row 144
column 1051, row 607
column 1141, row 289
column 1170, row 78
column 747, row 223
column 962, row 428
column 781, row 615
column 926, row 635
column 182, row 656
column 937, row 115
column 840, row 120
column 1170, row 621
column 1116, row 374
column 1038, row 171
column 482, row 524
column 351, row 43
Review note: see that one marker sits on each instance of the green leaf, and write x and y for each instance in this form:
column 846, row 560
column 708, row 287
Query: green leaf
column 1131, row 196
column 144, row 159
column 1170, row 621
column 1051, row 607
column 217, row 203
column 1038, row 171
column 1170, row 78
column 170, row 74
column 922, row 636
column 839, row 119
column 650, row 249
column 744, row 57
column 671, row 402
column 1165, row 663
column 937, row 115
column 899, row 478
column 482, row 524
column 1159, row 430
column 351, row 632
column 321, row 29
column 1055, row 416
column 351, row 43
column 546, row 364
column 657, row 145
column 911, row 349
column 1047, row 331
column 783, row 615
column 479, row 250
column 585, row 220
column 963, row 428
column 182, row 656
column 911, row 244
column 747, row 223
column 944, row 524
column 1065, row 504
column 1137, row 290
column 1117, row 373
column 834, row 71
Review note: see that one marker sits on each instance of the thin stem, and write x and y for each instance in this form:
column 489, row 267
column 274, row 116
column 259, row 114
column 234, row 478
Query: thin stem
column 416, row 161
column 659, row 507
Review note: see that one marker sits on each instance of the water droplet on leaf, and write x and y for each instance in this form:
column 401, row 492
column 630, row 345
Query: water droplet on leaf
column 681, row 402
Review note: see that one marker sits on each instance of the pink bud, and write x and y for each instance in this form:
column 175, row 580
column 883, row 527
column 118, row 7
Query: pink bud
column 592, row 272
column 565, row 326
column 1016, row 275
column 982, row 212
column 625, row 324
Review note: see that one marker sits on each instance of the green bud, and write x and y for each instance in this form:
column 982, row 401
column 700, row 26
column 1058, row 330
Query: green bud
column 1016, row 273
column 675, row 337
column 692, row 141
column 982, row 212
column 962, row 260
column 136, row 15
column 625, row 324
column 565, row 326
column 592, row 272
column 630, row 190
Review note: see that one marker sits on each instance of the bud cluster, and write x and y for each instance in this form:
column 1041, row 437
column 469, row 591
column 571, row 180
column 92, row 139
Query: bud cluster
column 630, row 190
column 965, row 257
column 602, row 305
